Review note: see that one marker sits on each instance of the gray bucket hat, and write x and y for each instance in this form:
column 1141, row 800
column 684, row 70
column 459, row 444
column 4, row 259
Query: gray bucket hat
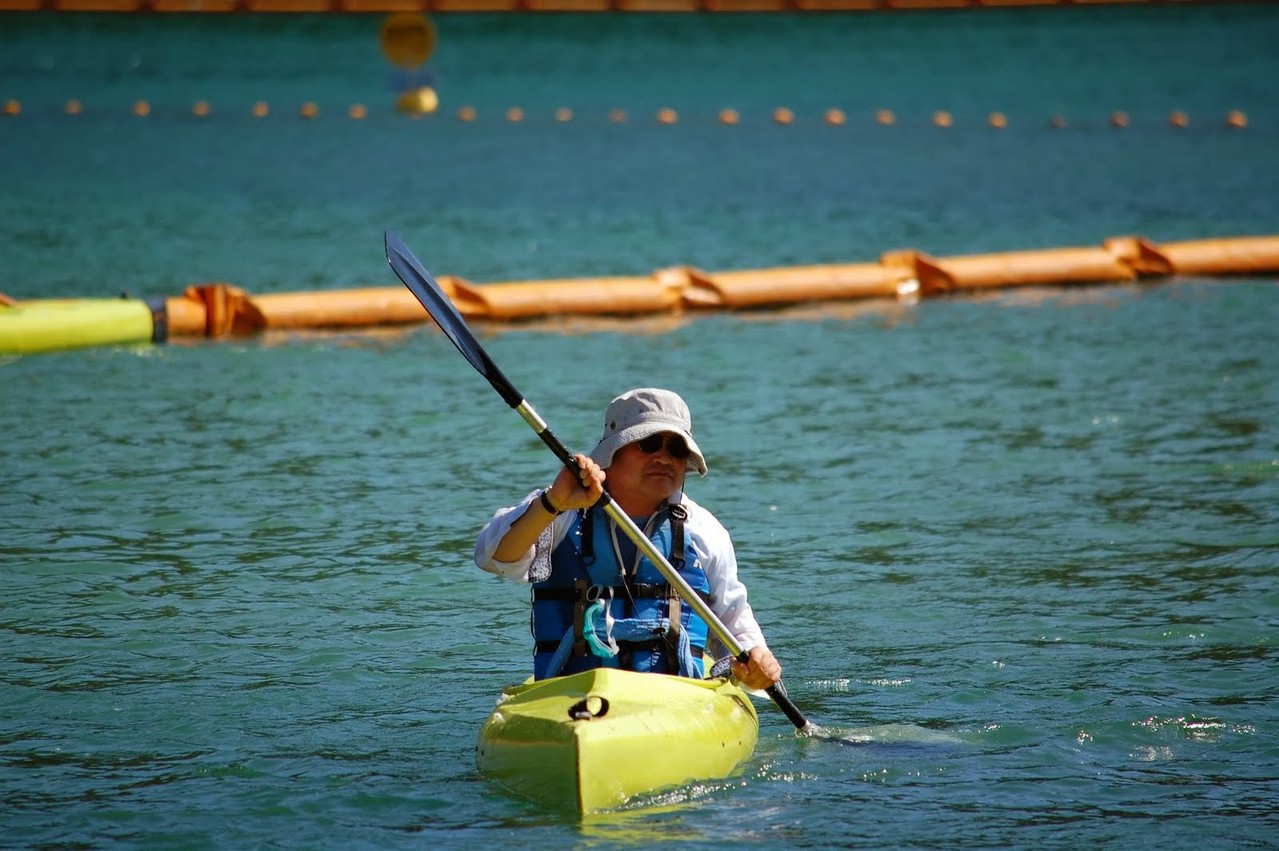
column 638, row 413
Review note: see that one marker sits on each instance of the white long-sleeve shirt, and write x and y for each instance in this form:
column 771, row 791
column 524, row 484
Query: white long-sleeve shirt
column 703, row 532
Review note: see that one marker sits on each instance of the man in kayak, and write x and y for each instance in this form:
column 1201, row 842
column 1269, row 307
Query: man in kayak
column 597, row 600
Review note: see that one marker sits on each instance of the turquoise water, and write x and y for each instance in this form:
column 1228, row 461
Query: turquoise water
column 1026, row 544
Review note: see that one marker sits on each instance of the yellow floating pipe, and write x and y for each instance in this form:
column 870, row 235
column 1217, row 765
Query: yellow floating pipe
column 46, row 325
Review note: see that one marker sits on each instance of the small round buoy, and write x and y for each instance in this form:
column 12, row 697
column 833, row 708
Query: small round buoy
column 1179, row 119
column 309, row 110
column 1057, row 122
column 418, row 102
column 12, row 107
column 998, row 120
column 74, row 107
column 835, row 117
column 885, row 117
column 260, row 109
column 666, row 115
column 357, row 112
column 515, row 114
column 782, row 115
column 1118, row 119
column 729, row 116
column 200, row 109
column 942, row 118
column 1236, row 119
column 142, row 109
column 617, row 116
column 466, row 113
column 563, row 114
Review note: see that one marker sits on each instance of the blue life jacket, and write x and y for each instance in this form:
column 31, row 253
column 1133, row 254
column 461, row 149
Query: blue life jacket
column 584, row 569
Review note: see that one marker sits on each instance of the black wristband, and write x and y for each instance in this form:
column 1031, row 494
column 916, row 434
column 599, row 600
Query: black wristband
column 546, row 503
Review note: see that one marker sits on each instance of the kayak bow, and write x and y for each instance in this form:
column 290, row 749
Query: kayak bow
column 594, row 740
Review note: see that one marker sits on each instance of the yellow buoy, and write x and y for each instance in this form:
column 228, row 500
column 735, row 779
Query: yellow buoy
column 419, row 101
column 408, row 39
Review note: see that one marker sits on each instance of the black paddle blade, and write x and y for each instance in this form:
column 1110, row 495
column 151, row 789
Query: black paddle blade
column 428, row 292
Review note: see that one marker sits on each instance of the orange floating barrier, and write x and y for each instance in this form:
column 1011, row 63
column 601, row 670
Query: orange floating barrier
column 142, row 109
column 1177, row 118
column 886, row 117
column 567, row 5
column 998, row 120
column 563, row 114
column 835, row 117
column 476, row 5
column 1235, row 118
column 1120, row 259
column 942, row 118
column 261, row 109
column 309, row 110
column 74, row 107
column 791, row 285
column 339, row 308
column 729, row 116
column 666, row 115
column 658, row 5
column 1246, row 255
column 200, row 109
column 783, row 115
column 624, row 296
column 466, row 113
column 12, row 107
column 357, row 112
column 515, row 115
column 219, row 310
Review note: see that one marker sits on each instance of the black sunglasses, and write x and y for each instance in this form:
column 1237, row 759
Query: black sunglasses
column 675, row 445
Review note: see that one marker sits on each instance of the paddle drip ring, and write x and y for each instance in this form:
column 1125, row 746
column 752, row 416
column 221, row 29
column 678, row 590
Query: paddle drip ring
column 592, row 706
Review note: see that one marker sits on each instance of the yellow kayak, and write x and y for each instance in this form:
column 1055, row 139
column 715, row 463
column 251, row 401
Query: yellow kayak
column 594, row 740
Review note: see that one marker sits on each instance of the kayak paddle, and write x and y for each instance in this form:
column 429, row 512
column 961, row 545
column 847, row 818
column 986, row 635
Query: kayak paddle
column 428, row 292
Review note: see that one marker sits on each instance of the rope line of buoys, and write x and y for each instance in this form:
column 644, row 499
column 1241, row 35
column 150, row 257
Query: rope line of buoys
column 445, row 6
column 224, row 310
column 424, row 102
